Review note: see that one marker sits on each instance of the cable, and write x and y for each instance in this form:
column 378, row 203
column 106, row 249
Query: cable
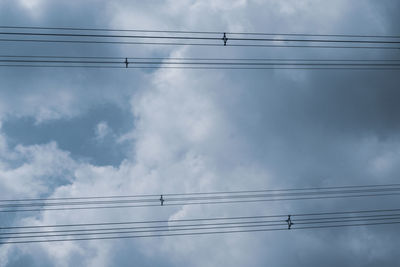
column 187, row 228
column 193, row 233
column 215, row 192
column 259, row 226
column 194, row 203
column 212, row 195
column 223, row 197
column 29, row 205
column 192, row 44
column 106, row 30
column 200, row 59
column 199, row 38
column 111, row 36
column 152, row 221
column 8, row 234
column 195, row 32
column 167, row 229
column 172, row 199
column 198, row 68
column 314, row 220
column 211, row 63
column 315, row 214
column 180, row 225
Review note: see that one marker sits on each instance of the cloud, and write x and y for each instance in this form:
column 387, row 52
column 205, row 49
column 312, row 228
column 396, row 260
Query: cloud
column 102, row 130
column 197, row 131
column 34, row 171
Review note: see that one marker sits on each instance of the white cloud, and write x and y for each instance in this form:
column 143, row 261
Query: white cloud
column 189, row 135
column 102, row 130
column 35, row 170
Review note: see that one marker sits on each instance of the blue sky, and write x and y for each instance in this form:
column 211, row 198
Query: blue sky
column 79, row 132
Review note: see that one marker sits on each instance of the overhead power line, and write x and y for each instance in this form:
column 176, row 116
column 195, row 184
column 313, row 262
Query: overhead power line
column 203, row 38
column 196, row 226
column 194, row 63
column 98, row 36
column 194, row 32
column 197, row 44
column 202, row 58
column 199, row 198
column 202, row 63
column 195, row 233
column 392, row 186
column 201, row 68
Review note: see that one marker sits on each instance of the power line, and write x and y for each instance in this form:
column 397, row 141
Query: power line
column 298, row 221
column 201, row 59
column 225, row 196
column 198, row 68
column 194, row 63
column 211, row 63
column 136, row 201
column 196, row 44
column 214, row 192
column 199, row 227
column 107, row 30
column 200, row 38
column 301, row 215
column 196, row 233
column 110, row 36
column 207, row 226
column 196, row 32
column 385, row 187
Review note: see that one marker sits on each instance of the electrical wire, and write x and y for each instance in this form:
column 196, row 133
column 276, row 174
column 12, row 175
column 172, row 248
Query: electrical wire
column 197, row 68
column 177, row 229
column 199, row 38
column 298, row 221
column 207, row 226
column 203, row 63
column 194, row 63
column 199, row 198
column 213, row 192
column 214, row 197
column 194, row 32
column 301, row 215
column 200, row 59
column 193, row 44
column 196, row 233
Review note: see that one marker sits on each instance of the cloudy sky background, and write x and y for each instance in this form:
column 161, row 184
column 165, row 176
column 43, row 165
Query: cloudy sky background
column 79, row 132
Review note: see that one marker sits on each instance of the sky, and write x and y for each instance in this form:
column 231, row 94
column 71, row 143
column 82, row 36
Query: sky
column 82, row 132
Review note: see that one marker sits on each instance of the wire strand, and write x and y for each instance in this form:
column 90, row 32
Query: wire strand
column 197, row 233
column 196, row 32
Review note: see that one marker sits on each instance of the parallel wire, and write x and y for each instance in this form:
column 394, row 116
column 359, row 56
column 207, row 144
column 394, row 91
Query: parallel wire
column 200, row 59
column 181, row 228
column 199, row 229
column 325, row 220
column 213, row 197
column 200, row 198
column 196, row 233
column 195, row 32
column 203, row 63
column 301, row 215
column 16, row 61
column 197, row 68
column 197, row 203
column 198, row 38
column 383, row 186
column 192, row 44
